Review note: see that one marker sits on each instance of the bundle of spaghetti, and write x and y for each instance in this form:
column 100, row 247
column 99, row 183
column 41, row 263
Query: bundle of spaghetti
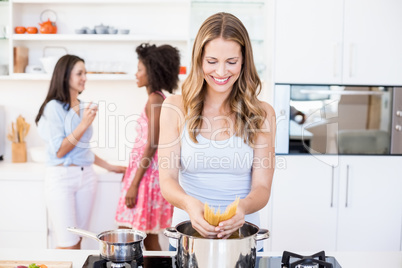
column 215, row 218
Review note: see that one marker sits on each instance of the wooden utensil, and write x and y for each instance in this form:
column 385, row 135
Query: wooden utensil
column 12, row 136
column 22, row 129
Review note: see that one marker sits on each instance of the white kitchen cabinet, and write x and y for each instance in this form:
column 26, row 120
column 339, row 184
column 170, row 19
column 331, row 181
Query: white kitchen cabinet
column 308, row 38
column 353, row 42
column 23, row 214
column 353, row 205
column 372, row 42
column 304, row 212
column 370, row 203
column 102, row 218
column 24, row 221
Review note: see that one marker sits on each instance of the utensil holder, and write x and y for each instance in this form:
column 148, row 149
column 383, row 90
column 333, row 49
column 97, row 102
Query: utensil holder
column 19, row 152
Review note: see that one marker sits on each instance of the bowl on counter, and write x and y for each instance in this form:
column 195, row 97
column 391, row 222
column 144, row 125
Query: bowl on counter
column 38, row 154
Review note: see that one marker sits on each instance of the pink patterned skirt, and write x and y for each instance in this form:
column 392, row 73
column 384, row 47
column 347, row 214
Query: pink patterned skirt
column 152, row 213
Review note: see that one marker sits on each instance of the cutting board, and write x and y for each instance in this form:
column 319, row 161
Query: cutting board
column 49, row 264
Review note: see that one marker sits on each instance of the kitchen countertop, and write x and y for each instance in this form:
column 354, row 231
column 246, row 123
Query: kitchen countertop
column 36, row 171
column 78, row 257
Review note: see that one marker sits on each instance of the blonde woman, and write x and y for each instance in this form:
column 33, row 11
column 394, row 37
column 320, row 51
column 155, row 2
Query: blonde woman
column 217, row 138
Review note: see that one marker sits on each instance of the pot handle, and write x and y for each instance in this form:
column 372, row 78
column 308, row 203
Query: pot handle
column 84, row 233
column 172, row 233
column 262, row 234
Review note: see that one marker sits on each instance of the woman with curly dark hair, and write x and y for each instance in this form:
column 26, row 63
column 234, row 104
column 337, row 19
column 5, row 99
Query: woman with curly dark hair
column 141, row 205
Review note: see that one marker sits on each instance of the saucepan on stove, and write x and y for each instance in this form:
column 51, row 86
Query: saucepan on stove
column 120, row 245
column 239, row 250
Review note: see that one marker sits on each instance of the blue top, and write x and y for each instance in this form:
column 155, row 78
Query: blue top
column 56, row 124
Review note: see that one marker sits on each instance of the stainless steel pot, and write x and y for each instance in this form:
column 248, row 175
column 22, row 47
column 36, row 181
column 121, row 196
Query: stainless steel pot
column 195, row 251
column 120, row 245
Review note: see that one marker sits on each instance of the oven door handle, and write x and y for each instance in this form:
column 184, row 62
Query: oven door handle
column 332, row 186
column 347, row 187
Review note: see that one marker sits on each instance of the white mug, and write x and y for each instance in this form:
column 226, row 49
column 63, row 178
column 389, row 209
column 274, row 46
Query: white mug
column 3, row 69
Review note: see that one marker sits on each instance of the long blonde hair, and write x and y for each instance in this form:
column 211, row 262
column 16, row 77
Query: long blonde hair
column 242, row 100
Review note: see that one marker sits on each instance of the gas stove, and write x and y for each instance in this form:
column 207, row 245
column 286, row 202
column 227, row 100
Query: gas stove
column 288, row 260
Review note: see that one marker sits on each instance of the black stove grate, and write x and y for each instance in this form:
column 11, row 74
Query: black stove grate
column 96, row 261
column 316, row 260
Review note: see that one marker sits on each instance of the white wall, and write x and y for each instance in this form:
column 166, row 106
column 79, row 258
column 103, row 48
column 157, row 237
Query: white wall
column 114, row 129
column 120, row 104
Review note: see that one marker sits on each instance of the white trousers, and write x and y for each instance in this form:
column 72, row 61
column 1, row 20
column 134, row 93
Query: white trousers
column 69, row 195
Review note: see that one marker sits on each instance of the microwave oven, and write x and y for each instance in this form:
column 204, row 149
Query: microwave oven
column 338, row 119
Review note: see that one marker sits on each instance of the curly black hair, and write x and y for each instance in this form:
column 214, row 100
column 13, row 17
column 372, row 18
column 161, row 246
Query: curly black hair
column 162, row 64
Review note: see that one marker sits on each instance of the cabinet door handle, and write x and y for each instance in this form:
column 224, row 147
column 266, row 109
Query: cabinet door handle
column 347, row 187
column 332, row 187
column 336, row 60
column 351, row 60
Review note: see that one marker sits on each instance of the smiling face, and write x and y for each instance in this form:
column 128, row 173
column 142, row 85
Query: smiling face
column 141, row 75
column 221, row 64
column 78, row 77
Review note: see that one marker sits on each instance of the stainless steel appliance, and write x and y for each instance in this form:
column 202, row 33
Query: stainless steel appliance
column 396, row 134
column 334, row 119
column 240, row 248
column 288, row 260
column 2, row 132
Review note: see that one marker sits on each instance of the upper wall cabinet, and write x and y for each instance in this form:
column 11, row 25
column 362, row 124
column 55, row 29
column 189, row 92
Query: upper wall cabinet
column 355, row 42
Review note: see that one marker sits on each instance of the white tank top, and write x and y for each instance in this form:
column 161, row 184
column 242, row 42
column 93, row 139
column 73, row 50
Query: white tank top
column 215, row 172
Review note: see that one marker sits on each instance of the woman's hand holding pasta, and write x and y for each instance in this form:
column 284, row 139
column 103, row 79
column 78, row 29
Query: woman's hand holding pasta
column 195, row 209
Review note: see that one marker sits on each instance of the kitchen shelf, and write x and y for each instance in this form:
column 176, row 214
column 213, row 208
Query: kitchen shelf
column 240, row 2
column 90, row 77
column 97, row 37
column 47, row 77
column 100, row 2
column 167, row 21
